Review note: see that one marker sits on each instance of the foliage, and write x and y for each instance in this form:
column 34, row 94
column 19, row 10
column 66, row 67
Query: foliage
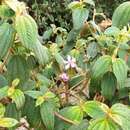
column 64, row 79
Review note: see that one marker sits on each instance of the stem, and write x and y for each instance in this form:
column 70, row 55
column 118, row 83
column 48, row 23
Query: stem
column 66, row 93
column 65, row 119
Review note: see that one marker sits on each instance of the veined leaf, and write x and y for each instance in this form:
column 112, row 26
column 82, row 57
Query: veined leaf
column 73, row 113
column 121, row 115
column 7, row 122
column 80, row 15
column 47, row 114
column 18, row 68
column 76, row 80
column 3, row 92
column 103, row 124
column 6, row 38
column 33, row 94
column 40, row 100
column 120, row 70
column 3, row 81
column 26, row 28
column 121, row 16
column 82, row 126
column 18, row 97
column 71, row 40
column 74, row 5
column 41, row 53
column 101, row 66
column 108, row 85
column 5, row 11
column 95, row 109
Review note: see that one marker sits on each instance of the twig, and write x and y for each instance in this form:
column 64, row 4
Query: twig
column 65, row 119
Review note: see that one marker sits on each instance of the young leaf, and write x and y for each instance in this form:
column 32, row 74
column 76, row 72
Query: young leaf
column 47, row 114
column 120, row 70
column 101, row 66
column 26, row 28
column 7, row 122
column 74, row 5
column 95, row 109
column 39, row 100
column 121, row 16
column 121, row 115
column 18, row 97
column 6, row 38
column 108, row 85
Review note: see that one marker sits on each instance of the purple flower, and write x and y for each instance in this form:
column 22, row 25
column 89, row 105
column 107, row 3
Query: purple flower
column 64, row 77
column 70, row 62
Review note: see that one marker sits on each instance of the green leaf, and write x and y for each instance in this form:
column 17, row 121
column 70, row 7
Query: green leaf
column 49, row 95
column 73, row 113
column 76, row 80
column 80, row 15
column 2, row 110
column 3, row 81
column 60, row 60
column 121, row 16
column 47, row 114
column 95, row 109
column 82, row 126
column 39, row 100
column 5, row 11
column 74, row 5
column 18, row 97
column 6, row 38
column 33, row 94
column 120, row 70
column 71, row 40
column 12, row 112
column 7, row 122
column 47, row 34
column 18, row 68
column 3, row 92
column 108, row 85
column 32, row 113
column 103, row 124
column 92, row 50
column 15, row 82
column 26, row 28
column 101, row 66
column 112, row 31
column 41, row 52
column 121, row 115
